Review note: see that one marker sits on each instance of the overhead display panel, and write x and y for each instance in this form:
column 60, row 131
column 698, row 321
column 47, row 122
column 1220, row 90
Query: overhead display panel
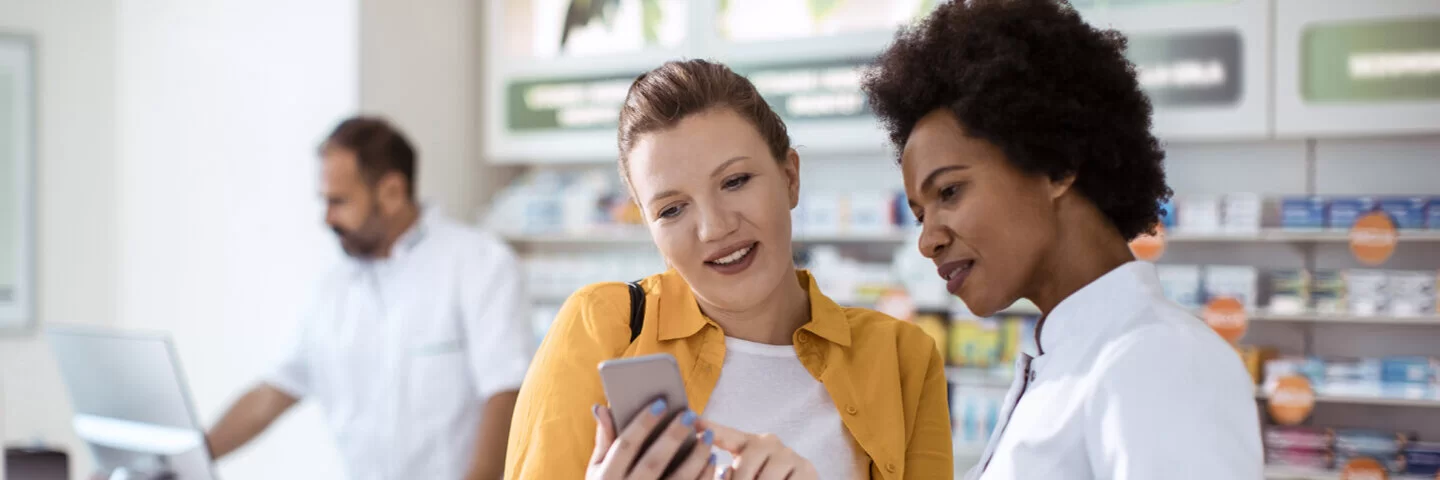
column 1357, row 68
column 1202, row 62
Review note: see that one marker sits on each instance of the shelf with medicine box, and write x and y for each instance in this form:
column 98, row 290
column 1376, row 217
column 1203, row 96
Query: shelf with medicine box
column 638, row 236
column 1296, row 473
column 1428, row 399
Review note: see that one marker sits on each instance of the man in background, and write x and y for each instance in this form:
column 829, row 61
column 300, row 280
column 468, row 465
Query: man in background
column 416, row 344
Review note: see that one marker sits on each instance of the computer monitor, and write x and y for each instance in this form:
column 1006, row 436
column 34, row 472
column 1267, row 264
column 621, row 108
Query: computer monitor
column 131, row 403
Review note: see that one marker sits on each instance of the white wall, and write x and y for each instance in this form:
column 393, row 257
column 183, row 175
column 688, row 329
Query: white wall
column 77, row 229
column 420, row 66
column 222, row 104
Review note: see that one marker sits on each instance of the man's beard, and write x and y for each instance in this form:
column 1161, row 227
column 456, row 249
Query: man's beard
column 363, row 242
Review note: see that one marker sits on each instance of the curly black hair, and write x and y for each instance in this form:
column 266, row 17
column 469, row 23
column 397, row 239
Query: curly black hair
column 1055, row 94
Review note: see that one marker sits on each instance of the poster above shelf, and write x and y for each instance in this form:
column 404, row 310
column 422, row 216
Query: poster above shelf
column 553, row 101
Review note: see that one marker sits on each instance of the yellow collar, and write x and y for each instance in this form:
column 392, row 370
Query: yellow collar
column 680, row 315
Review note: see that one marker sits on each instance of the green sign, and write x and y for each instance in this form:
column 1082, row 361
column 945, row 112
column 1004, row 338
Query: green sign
column 1395, row 60
column 796, row 91
column 581, row 103
column 812, row 90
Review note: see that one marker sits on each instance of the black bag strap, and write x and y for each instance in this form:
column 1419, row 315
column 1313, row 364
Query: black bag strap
column 637, row 310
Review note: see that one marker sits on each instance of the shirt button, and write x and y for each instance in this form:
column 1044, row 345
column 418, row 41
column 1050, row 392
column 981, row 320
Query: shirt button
column 850, row 409
column 890, row 467
column 804, row 338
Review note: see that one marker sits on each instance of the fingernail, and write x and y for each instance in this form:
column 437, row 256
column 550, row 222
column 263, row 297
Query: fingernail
column 712, row 459
column 595, row 411
column 688, row 419
column 658, row 407
column 709, row 437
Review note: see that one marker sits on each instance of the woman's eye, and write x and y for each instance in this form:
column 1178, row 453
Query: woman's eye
column 670, row 212
column 949, row 193
column 735, row 182
column 920, row 220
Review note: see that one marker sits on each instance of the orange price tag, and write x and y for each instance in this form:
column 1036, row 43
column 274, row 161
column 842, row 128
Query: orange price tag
column 1373, row 238
column 1227, row 317
column 1364, row 468
column 1149, row 247
column 1292, row 401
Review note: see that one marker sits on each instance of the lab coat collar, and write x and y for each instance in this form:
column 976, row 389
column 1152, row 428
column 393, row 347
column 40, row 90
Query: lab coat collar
column 1080, row 318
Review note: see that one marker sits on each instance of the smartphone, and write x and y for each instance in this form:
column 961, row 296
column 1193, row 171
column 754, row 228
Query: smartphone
column 633, row 384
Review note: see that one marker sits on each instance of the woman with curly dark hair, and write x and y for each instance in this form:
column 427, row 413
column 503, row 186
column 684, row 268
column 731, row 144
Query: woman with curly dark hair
column 1029, row 163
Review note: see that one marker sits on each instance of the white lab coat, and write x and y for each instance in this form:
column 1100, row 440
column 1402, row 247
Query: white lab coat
column 1127, row 385
column 401, row 353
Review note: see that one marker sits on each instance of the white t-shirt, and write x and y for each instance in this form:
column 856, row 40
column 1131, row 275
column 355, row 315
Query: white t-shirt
column 765, row 389
column 1126, row 385
column 402, row 352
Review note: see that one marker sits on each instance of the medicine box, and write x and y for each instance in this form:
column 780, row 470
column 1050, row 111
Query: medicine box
column 1300, row 213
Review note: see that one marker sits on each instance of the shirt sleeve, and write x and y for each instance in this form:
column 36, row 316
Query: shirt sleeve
column 1172, row 403
column 293, row 373
column 929, row 448
column 495, row 316
column 553, row 430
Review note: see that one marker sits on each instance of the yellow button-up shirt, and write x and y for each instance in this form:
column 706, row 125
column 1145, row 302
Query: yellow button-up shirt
column 884, row 376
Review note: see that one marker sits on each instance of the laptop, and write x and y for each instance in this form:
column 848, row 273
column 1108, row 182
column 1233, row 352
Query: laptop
column 132, row 406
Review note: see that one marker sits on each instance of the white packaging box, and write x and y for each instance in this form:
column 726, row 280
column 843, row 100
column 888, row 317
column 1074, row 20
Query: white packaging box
column 1240, row 282
column 1198, row 214
column 868, row 213
column 822, row 214
column 1241, row 213
column 1181, row 284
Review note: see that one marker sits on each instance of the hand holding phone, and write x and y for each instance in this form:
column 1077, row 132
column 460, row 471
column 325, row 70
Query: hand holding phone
column 621, row 457
column 647, row 431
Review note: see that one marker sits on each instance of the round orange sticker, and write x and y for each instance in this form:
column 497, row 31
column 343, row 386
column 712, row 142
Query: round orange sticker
column 1292, row 401
column 1364, row 468
column 1227, row 317
column 1373, row 238
column 1149, row 247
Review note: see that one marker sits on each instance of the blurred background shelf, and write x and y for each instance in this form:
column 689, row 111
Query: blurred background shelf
column 638, row 236
column 1292, row 473
column 1341, row 318
column 1430, row 400
column 623, row 235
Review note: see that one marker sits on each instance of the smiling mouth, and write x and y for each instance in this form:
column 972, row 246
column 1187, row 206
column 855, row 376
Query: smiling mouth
column 735, row 256
column 955, row 274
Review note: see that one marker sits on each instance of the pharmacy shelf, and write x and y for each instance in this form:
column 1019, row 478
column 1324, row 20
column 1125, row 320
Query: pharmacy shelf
column 1294, row 473
column 1336, row 318
column 1276, row 235
column 1430, row 401
column 641, row 237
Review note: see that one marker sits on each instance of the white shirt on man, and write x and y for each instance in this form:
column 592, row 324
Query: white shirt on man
column 402, row 352
column 1126, row 385
column 765, row 389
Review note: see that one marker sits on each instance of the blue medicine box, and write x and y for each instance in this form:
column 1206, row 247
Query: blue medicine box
column 1408, row 212
column 1344, row 211
column 1302, row 212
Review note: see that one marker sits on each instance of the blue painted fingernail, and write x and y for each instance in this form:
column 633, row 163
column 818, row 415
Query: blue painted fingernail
column 688, row 419
column 595, row 410
column 708, row 438
column 712, row 458
column 658, row 407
